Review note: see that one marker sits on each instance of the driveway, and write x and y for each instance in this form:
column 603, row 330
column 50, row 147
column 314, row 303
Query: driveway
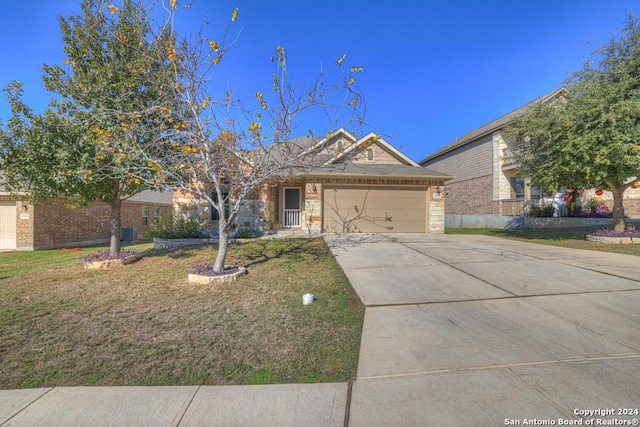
column 475, row 330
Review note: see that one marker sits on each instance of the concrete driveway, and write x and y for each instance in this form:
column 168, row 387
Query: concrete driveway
column 474, row 330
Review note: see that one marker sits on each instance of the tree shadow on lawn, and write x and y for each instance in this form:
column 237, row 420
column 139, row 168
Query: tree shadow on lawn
column 265, row 250
column 255, row 252
column 173, row 253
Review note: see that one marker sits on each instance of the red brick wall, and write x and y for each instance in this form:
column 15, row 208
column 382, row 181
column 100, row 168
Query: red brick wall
column 471, row 197
column 55, row 224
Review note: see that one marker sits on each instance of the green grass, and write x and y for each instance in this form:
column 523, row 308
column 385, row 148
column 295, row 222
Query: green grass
column 144, row 324
column 566, row 237
column 19, row 263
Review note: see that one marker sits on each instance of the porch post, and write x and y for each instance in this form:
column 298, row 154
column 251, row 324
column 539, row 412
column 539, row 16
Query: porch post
column 313, row 208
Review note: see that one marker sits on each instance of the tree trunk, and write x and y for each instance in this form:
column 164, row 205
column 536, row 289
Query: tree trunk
column 223, row 245
column 116, row 203
column 619, row 224
column 114, row 247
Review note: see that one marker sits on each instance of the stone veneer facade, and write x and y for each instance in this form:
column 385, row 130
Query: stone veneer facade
column 311, row 220
column 258, row 214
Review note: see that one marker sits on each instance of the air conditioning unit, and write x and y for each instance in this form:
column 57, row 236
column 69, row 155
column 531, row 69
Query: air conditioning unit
column 128, row 234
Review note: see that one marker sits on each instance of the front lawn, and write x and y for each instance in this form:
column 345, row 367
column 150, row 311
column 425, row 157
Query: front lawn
column 144, row 324
column 566, row 237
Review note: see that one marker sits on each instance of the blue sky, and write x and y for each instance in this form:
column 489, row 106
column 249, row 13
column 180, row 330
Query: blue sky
column 434, row 70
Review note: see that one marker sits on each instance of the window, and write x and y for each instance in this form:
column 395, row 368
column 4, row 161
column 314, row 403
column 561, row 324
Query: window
column 145, row 216
column 156, row 214
column 518, row 187
column 340, row 146
column 536, row 192
column 215, row 215
column 370, row 154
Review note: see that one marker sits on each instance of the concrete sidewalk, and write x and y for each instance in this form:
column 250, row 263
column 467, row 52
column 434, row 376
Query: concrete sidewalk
column 269, row 405
column 474, row 330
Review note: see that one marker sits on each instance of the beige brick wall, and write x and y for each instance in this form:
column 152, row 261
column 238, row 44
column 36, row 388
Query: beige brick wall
column 632, row 207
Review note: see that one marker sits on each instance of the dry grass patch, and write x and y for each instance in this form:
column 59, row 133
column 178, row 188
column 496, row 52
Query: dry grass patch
column 144, row 324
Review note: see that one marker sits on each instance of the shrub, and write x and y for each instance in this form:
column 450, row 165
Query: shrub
column 593, row 205
column 542, row 211
column 244, row 233
column 177, row 228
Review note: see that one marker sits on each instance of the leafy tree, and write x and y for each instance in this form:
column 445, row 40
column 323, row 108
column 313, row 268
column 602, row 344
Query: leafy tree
column 224, row 151
column 109, row 97
column 589, row 137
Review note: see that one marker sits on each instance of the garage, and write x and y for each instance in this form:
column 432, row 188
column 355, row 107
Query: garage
column 366, row 209
column 8, row 225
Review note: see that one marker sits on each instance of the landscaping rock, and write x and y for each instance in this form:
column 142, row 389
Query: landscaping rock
column 110, row 263
column 234, row 272
column 613, row 240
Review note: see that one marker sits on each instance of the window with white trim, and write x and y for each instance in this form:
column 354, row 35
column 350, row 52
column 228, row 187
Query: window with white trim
column 369, row 154
column 145, row 216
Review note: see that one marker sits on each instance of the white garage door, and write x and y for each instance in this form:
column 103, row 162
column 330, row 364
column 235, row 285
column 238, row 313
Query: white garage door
column 359, row 209
column 7, row 225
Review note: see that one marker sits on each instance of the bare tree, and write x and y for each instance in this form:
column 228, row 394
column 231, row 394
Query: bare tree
column 222, row 150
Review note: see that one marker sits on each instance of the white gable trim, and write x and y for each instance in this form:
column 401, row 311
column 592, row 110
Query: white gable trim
column 384, row 144
column 324, row 140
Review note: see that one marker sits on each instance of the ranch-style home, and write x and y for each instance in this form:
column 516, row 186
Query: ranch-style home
column 53, row 224
column 487, row 187
column 369, row 186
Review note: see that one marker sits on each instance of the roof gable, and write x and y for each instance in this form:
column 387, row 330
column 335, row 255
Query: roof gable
column 371, row 140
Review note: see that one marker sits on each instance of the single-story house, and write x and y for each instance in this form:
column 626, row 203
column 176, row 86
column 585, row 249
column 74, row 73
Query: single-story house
column 369, row 186
column 486, row 180
column 54, row 224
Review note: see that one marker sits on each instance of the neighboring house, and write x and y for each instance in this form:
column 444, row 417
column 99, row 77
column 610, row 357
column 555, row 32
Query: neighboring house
column 368, row 186
column 53, row 224
column 486, row 181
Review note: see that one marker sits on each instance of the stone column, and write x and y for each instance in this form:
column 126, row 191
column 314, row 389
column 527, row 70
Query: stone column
column 312, row 215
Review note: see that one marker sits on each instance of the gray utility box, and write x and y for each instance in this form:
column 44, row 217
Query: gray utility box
column 128, row 234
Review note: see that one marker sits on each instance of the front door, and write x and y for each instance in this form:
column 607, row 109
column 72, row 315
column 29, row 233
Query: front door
column 8, row 225
column 292, row 207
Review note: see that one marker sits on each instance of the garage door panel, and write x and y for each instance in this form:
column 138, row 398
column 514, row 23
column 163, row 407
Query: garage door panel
column 8, row 224
column 374, row 210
